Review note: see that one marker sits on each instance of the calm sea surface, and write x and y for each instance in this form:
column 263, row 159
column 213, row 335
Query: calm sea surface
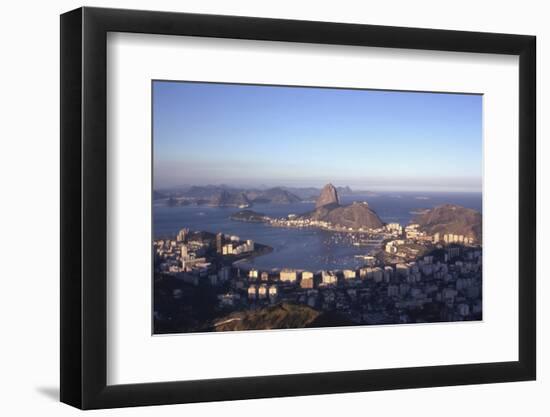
column 309, row 249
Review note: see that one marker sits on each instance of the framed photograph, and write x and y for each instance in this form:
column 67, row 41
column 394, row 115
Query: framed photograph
column 257, row 208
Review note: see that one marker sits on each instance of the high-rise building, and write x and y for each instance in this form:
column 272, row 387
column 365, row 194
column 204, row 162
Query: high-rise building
column 329, row 278
column 224, row 273
column 219, row 243
column 307, row 275
column 182, row 235
column 378, row 274
column 288, row 275
column 252, row 290
column 307, row 280
column 388, row 273
column 273, row 291
column 453, row 252
column 227, row 249
column 350, row 274
column 396, row 227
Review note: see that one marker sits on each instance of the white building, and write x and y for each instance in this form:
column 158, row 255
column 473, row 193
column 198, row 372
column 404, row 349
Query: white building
column 184, row 252
column 307, row 275
column 262, row 291
column 394, row 227
column 182, row 234
column 307, row 280
column 288, row 275
column 273, row 291
column 350, row 274
column 329, row 278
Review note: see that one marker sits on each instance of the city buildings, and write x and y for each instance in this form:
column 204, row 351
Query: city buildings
column 307, row 280
column 419, row 278
column 329, row 278
column 288, row 275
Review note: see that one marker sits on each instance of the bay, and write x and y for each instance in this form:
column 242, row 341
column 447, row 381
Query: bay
column 309, row 249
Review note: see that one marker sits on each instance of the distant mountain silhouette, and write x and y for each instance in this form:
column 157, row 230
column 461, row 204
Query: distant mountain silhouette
column 344, row 190
column 227, row 199
column 225, row 196
column 276, row 195
column 204, row 191
column 201, row 194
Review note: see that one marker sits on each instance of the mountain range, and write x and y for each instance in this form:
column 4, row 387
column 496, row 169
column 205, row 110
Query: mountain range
column 223, row 196
column 209, row 194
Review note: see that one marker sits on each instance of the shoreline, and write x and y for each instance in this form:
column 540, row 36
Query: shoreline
column 289, row 224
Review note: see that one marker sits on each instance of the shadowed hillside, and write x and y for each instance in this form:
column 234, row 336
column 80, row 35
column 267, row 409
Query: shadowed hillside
column 280, row 316
column 450, row 218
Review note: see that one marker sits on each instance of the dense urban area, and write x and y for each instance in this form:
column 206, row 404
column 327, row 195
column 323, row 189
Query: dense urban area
column 423, row 272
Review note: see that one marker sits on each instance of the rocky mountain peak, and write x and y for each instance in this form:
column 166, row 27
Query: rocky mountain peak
column 328, row 195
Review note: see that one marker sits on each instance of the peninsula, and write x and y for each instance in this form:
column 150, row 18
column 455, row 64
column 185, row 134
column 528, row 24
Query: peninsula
column 328, row 214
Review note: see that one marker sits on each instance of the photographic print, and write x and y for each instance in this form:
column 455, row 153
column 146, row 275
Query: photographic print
column 286, row 207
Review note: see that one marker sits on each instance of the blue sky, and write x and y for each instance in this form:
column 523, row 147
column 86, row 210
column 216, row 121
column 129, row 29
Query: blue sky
column 251, row 135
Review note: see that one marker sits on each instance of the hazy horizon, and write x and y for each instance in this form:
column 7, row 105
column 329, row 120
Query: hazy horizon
column 369, row 140
column 317, row 186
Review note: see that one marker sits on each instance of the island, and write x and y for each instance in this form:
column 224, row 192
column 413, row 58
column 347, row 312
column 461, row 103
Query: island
column 250, row 216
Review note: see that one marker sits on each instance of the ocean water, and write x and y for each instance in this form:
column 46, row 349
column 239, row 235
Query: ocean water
column 309, row 249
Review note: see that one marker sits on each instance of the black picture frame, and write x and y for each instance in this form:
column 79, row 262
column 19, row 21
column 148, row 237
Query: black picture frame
column 84, row 207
